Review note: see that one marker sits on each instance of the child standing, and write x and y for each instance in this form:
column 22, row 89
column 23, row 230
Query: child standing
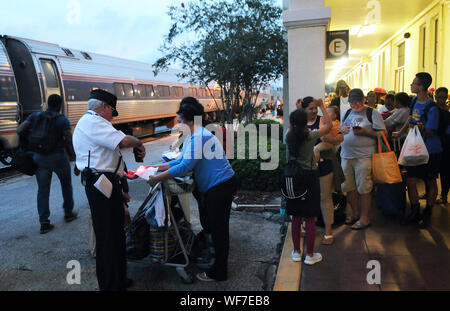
column 300, row 142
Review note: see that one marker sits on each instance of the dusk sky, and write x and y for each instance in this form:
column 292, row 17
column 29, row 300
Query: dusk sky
column 131, row 29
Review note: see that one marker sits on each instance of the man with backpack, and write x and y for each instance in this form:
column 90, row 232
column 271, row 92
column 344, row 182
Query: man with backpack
column 359, row 126
column 425, row 114
column 48, row 134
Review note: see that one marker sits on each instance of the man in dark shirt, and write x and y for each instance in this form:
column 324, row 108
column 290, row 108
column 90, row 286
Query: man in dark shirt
column 55, row 161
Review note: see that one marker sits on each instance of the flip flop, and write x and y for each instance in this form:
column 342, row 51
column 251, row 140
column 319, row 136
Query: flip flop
column 328, row 240
column 351, row 221
column 360, row 226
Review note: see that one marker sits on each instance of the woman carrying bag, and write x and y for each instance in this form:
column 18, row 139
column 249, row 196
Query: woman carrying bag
column 215, row 182
column 300, row 142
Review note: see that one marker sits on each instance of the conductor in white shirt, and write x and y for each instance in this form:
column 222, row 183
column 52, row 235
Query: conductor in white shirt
column 97, row 146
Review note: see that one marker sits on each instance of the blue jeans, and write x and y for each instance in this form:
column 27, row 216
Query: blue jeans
column 57, row 162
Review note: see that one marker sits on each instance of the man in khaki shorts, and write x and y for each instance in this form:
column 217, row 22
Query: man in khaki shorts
column 359, row 127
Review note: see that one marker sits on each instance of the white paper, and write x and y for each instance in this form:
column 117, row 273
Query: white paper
column 145, row 173
column 104, row 186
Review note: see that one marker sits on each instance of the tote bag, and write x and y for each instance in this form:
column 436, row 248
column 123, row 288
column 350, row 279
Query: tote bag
column 414, row 151
column 385, row 168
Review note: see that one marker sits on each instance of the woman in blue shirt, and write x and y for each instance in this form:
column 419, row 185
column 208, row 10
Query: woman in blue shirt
column 216, row 182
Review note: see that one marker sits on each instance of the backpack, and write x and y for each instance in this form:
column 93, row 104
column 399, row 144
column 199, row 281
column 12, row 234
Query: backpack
column 294, row 184
column 368, row 112
column 443, row 120
column 43, row 137
column 24, row 163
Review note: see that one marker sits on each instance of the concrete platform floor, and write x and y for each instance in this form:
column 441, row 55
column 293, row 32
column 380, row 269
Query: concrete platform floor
column 410, row 259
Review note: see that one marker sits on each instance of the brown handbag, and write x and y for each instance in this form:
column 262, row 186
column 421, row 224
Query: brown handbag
column 385, row 167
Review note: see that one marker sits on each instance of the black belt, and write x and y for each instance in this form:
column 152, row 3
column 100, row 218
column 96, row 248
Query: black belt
column 90, row 177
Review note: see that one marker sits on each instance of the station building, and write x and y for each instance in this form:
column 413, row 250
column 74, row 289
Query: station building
column 389, row 41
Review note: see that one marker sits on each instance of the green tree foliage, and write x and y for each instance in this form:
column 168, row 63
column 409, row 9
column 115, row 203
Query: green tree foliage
column 248, row 171
column 237, row 44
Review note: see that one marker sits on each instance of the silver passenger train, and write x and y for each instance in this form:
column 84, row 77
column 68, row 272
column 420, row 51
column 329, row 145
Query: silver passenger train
column 31, row 71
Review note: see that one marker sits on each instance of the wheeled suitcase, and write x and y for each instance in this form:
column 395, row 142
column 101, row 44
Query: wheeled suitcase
column 391, row 198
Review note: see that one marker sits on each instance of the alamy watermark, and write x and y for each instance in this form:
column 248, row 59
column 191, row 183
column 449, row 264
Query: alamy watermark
column 374, row 275
column 74, row 15
column 74, row 275
column 257, row 138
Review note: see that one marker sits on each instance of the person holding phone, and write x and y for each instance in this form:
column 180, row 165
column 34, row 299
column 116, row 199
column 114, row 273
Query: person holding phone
column 357, row 149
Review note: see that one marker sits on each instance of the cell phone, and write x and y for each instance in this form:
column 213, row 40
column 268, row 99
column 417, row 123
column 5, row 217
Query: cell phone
column 137, row 158
column 356, row 127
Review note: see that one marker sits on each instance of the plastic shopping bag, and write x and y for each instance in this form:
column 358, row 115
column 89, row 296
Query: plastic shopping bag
column 414, row 151
column 385, row 168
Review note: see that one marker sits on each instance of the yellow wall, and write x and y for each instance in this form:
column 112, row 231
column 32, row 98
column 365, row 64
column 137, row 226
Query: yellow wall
column 379, row 70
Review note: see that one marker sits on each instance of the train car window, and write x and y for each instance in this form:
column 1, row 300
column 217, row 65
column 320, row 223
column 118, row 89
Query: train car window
column 163, row 90
column 142, row 91
column 216, row 93
column 193, row 92
column 86, row 55
column 177, row 91
column 118, row 88
column 80, row 90
column 68, row 52
column 128, row 89
column 150, row 91
column 202, row 92
column 7, row 89
column 50, row 74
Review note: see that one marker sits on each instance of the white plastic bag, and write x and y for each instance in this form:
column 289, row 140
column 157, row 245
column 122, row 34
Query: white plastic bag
column 414, row 151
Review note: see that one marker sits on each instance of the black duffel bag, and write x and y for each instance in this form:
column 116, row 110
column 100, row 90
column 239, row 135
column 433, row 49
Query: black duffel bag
column 138, row 238
column 24, row 163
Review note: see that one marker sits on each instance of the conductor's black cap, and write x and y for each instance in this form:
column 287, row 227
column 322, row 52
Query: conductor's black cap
column 106, row 97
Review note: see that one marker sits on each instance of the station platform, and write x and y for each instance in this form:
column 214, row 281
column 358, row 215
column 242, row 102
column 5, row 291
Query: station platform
column 410, row 259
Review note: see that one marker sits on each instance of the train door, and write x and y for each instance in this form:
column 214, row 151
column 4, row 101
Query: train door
column 51, row 78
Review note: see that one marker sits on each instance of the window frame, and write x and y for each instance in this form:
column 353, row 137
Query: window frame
column 132, row 89
column 55, row 73
column 117, row 84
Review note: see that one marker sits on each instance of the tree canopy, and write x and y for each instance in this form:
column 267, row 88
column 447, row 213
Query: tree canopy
column 238, row 45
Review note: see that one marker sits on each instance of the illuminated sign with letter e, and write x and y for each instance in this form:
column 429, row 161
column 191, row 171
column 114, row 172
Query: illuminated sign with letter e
column 337, row 43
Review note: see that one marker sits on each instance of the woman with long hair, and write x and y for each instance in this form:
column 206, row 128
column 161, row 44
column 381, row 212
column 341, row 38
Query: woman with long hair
column 300, row 142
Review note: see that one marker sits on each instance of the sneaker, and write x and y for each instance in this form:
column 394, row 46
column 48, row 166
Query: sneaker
column 296, row 256
column 46, row 228
column 314, row 259
column 71, row 217
column 204, row 278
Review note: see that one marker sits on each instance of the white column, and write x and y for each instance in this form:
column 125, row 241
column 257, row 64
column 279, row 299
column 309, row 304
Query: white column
column 306, row 22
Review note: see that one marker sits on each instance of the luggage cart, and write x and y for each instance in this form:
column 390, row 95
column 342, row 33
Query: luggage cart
column 184, row 242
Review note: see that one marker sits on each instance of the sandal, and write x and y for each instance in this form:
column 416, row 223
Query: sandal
column 360, row 226
column 351, row 221
column 328, row 240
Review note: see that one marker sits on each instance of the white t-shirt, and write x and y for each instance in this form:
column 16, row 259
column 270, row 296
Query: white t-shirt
column 382, row 108
column 96, row 134
column 344, row 106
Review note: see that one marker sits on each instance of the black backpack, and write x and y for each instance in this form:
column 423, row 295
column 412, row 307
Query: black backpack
column 294, row 184
column 443, row 119
column 43, row 137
